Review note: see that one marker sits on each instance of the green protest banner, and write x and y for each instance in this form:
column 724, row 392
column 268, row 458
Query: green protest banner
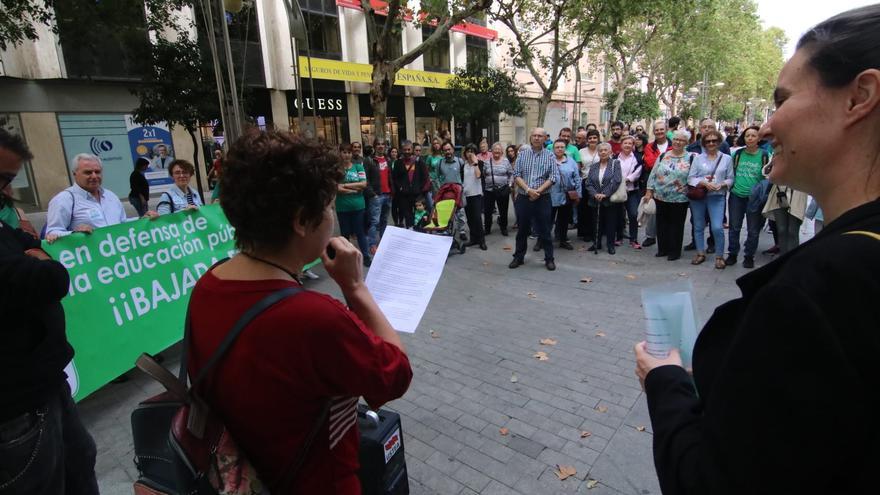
column 129, row 287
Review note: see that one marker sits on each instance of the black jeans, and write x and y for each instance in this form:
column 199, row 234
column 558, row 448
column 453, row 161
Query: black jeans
column 48, row 451
column 501, row 198
column 670, row 227
column 533, row 216
column 405, row 209
column 474, row 209
column 562, row 216
column 608, row 216
column 586, row 227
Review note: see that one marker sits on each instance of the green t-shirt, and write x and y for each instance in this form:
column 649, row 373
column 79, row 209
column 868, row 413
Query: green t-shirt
column 352, row 202
column 9, row 216
column 433, row 162
column 748, row 173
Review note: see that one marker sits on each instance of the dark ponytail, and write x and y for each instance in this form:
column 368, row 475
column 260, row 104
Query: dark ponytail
column 844, row 45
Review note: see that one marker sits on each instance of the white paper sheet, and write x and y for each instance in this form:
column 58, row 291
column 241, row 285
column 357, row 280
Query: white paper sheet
column 404, row 274
column 671, row 320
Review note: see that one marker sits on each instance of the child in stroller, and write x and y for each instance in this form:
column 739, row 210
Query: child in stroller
column 447, row 217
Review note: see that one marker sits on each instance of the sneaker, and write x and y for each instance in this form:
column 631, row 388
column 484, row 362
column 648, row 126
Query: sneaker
column 773, row 250
column 635, row 245
column 690, row 247
column 566, row 245
column 650, row 241
column 515, row 263
column 731, row 260
column 748, row 262
column 550, row 265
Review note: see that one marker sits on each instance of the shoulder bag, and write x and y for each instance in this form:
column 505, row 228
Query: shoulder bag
column 697, row 193
column 621, row 194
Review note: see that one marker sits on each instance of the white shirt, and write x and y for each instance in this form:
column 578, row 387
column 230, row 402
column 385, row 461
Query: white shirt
column 602, row 172
column 663, row 147
column 75, row 206
column 177, row 201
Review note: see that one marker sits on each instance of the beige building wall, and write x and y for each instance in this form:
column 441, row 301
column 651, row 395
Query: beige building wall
column 49, row 165
column 183, row 149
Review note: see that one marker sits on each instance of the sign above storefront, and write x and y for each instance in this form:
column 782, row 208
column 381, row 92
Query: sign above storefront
column 335, row 70
column 468, row 28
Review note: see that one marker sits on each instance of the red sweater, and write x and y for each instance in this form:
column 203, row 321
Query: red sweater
column 271, row 385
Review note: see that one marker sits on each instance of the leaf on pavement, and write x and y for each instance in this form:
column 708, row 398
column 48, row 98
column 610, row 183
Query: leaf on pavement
column 564, row 472
column 586, row 434
column 591, row 483
column 586, row 280
column 582, row 249
column 541, row 356
column 508, row 248
column 631, row 277
column 602, row 409
column 682, row 274
column 531, row 295
column 485, row 263
column 504, row 432
column 434, row 335
column 600, row 333
column 513, row 378
column 640, row 428
column 547, row 341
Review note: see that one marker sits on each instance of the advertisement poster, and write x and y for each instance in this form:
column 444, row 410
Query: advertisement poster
column 148, row 142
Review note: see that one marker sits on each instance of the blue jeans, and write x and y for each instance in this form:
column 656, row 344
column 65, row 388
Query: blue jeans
column 48, row 451
column 534, row 216
column 633, row 199
column 755, row 221
column 352, row 223
column 378, row 208
column 714, row 205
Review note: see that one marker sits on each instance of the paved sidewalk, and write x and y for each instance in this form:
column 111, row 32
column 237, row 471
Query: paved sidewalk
column 475, row 374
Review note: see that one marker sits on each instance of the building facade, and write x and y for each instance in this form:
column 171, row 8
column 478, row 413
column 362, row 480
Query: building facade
column 71, row 92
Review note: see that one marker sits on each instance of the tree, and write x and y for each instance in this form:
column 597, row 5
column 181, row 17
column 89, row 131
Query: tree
column 382, row 38
column 478, row 94
column 551, row 36
column 636, row 105
column 19, row 20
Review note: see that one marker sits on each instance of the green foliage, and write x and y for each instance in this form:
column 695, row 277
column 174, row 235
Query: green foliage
column 730, row 111
column 19, row 20
column 636, row 105
column 479, row 94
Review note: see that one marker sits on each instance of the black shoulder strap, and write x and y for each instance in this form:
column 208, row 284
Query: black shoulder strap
column 170, row 201
column 736, row 157
column 72, row 209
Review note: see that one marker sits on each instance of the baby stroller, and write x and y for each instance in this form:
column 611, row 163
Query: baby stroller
column 448, row 216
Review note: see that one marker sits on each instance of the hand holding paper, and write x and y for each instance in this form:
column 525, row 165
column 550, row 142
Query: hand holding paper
column 671, row 320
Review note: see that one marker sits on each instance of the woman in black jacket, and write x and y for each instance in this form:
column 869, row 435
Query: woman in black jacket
column 784, row 395
column 408, row 177
column 603, row 178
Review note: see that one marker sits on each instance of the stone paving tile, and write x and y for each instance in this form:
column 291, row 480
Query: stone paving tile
column 488, row 320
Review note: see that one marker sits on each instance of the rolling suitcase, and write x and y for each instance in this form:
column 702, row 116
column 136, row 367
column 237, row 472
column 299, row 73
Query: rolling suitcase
column 383, row 466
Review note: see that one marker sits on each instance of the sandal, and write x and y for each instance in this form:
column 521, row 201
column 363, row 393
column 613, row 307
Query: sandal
column 720, row 264
column 698, row 259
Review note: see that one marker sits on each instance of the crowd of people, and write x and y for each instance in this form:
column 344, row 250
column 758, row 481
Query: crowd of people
column 606, row 189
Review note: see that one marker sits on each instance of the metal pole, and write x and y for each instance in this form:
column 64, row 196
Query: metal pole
column 298, row 33
column 208, row 15
column 232, row 131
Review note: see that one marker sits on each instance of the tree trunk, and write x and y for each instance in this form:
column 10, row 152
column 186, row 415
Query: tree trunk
column 195, row 142
column 618, row 102
column 380, row 88
column 543, row 103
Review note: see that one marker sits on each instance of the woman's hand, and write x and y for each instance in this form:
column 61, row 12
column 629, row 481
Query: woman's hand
column 346, row 267
column 646, row 362
column 152, row 215
column 649, row 195
column 192, row 207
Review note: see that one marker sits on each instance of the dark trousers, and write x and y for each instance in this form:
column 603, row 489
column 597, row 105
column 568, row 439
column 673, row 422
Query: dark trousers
column 670, row 227
column 491, row 199
column 474, row 210
column 406, row 204
column 534, row 216
column 395, row 211
column 608, row 217
column 139, row 206
column 586, row 226
column 562, row 218
column 48, row 451
column 754, row 223
column 352, row 223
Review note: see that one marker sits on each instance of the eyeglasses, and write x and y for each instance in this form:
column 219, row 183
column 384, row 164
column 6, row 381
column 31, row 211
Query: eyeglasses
column 710, row 141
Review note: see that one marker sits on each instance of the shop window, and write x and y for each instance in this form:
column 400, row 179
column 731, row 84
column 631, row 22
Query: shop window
column 436, row 58
column 322, row 23
column 329, row 130
column 103, row 40
column 244, row 41
column 24, row 193
column 392, row 130
column 396, row 48
column 477, row 51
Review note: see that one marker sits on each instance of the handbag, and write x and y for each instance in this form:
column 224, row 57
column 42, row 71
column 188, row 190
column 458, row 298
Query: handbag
column 180, row 446
column 621, row 194
column 573, row 197
column 698, row 193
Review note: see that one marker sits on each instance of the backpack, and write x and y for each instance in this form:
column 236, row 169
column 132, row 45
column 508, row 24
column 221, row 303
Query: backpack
column 182, row 447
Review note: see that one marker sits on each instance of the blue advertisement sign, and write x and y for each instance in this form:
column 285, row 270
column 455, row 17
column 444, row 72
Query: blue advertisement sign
column 152, row 142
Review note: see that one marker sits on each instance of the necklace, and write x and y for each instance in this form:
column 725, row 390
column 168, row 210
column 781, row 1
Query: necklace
column 276, row 265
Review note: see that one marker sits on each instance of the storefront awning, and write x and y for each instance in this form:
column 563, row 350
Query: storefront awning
column 322, row 68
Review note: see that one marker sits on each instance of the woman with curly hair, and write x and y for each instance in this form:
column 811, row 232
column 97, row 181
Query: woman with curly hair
column 301, row 365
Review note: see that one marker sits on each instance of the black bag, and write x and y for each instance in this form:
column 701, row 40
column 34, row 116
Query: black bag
column 382, row 460
column 182, row 448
